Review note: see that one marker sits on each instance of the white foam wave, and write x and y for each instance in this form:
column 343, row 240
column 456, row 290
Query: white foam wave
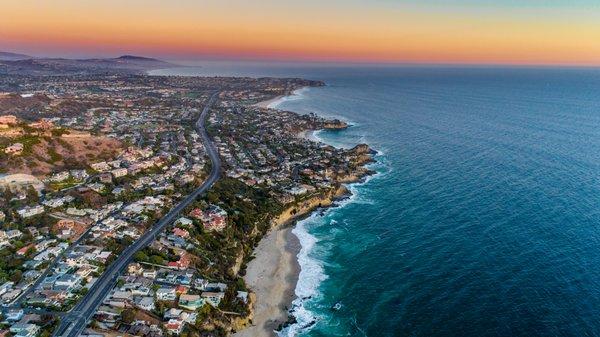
column 311, row 276
column 312, row 272
column 296, row 95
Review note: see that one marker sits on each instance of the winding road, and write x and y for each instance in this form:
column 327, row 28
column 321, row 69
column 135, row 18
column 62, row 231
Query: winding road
column 74, row 322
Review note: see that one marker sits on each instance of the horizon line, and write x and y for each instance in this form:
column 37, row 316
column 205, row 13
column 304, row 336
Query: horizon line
column 315, row 61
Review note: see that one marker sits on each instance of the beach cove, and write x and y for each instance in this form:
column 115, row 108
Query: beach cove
column 273, row 273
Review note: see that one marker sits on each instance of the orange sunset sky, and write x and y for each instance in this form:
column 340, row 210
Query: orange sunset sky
column 430, row 31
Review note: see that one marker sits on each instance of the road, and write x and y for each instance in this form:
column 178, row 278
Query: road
column 76, row 320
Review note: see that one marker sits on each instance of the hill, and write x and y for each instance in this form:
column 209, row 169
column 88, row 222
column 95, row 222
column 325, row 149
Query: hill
column 8, row 56
column 64, row 66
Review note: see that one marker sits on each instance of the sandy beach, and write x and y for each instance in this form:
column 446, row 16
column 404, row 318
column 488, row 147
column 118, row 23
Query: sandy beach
column 309, row 135
column 272, row 275
column 265, row 104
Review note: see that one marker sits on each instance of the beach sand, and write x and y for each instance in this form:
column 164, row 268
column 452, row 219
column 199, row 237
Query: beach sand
column 265, row 104
column 309, row 135
column 272, row 275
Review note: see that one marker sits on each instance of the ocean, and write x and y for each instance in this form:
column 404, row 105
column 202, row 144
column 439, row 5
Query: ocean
column 484, row 216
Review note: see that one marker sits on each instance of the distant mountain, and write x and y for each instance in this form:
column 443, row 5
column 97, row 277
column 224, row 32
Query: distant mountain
column 7, row 56
column 62, row 66
column 136, row 58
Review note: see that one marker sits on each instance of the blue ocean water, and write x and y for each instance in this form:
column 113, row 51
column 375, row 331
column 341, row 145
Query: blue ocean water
column 484, row 219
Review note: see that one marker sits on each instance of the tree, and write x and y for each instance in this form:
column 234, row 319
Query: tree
column 156, row 259
column 140, row 256
column 16, row 276
column 128, row 315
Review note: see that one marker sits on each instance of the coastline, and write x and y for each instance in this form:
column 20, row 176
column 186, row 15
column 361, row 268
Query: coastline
column 274, row 272
column 266, row 104
column 273, row 102
column 272, row 275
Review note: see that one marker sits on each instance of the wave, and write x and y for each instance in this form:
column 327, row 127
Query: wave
column 311, row 276
column 312, row 272
column 296, row 95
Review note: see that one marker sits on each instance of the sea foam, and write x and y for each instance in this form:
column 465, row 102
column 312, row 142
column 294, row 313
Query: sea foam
column 312, row 272
column 296, row 95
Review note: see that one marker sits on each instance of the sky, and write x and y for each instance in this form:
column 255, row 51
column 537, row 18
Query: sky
column 380, row 31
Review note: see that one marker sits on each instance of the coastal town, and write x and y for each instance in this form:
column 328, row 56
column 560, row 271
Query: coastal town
column 115, row 214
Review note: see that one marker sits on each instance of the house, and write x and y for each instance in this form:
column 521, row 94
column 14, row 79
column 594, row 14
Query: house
column 27, row 212
column 25, row 329
column 220, row 287
column 182, row 233
column 100, row 167
column 11, row 295
column 142, row 329
column 79, row 174
column 118, row 190
column 174, row 326
column 65, row 226
column 60, row 176
column 197, row 213
column 184, row 221
column 115, row 163
column 8, row 120
column 213, row 219
column 151, row 274
column 33, row 231
column 166, row 294
column 42, row 124
column 119, row 172
column 103, row 256
column 200, row 284
column 191, row 302
column 135, row 269
column 180, row 289
column 140, row 290
column 23, row 251
column 6, row 287
column 182, row 264
column 14, row 149
column 68, row 281
column 213, row 298
column 75, row 211
column 14, row 315
column 54, row 203
column 105, row 178
column 86, row 271
column 216, row 223
column 145, row 303
column 173, row 313
column 242, row 295
column 14, row 234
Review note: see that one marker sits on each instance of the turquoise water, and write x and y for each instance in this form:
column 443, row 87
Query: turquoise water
column 484, row 218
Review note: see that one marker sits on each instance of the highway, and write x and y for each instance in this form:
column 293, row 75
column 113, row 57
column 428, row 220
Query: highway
column 73, row 323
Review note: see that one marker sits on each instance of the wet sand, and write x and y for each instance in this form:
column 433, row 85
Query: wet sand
column 272, row 275
column 265, row 104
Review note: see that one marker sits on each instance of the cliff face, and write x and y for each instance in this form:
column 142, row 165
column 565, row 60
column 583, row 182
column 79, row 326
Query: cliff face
column 238, row 323
column 239, row 259
column 363, row 149
column 363, row 154
column 335, row 124
column 303, row 208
